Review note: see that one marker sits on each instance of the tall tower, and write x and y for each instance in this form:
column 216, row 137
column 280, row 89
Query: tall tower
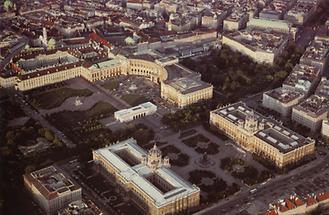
column 44, row 34
column 251, row 123
column 154, row 159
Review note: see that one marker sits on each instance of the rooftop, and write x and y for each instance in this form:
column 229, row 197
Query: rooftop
column 301, row 8
column 140, row 174
column 284, row 95
column 136, row 109
column 302, row 77
column 259, row 39
column 323, row 88
column 273, row 133
column 294, row 201
column 314, row 106
column 50, row 182
column 318, row 51
column 186, row 85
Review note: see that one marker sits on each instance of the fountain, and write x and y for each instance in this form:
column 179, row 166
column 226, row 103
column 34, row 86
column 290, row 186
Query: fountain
column 204, row 161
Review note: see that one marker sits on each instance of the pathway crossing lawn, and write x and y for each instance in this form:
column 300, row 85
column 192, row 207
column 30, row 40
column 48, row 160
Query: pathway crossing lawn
column 111, row 84
column 54, row 98
column 134, row 99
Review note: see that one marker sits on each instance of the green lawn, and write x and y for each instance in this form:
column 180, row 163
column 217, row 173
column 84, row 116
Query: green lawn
column 111, row 84
column 100, row 109
column 134, row 99
column 54, row 98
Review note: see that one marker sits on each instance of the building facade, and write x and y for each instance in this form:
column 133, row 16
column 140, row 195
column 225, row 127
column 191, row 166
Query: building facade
column 184, row 92
column 281, row 100
column 147, row 179
column 311, row 112
column 65, row 64
column 261, row 135
column 51, row 189
column 139, row 111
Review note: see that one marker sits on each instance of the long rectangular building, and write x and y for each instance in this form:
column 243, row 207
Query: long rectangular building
column 261, row 135
column 147, row 179
column 144, row 109
column 261, row 46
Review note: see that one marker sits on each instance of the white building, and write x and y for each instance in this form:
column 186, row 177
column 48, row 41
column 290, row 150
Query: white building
column 126, row 115
column 325, row 128
column 311, row 112
column 146, row 178
column 235, row 21
column 260, row 45
column 281, row 100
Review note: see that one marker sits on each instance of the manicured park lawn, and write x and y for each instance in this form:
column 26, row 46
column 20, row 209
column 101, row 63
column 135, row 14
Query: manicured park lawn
column 134, row 99
column 100, row 109
column 56, row 97
column 111, row 84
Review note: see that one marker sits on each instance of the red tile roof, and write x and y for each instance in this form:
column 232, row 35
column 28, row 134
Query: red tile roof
column 310, row 200
column 298, row 202
column 283, row 208
column 323, row 196
column 99, row 39
column 289, row 204
column 271, row 212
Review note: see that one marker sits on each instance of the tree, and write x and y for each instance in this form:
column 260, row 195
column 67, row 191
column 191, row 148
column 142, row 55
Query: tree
column 7, row 5
column 269, row 77
column 29, row 168
column 49, row 135
column 280, row 75
column 10, row 137
column 57, row 142
column 5, row 151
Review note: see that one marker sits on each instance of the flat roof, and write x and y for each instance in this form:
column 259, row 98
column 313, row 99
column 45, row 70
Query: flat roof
column 139, row 108
column 314, row 106
column 302, row 77
column 50, row 182
column 273, row 133
column 256, row 39
column 284, row 95
column 323, row 88
column 187, row 85
column 105, row 64
column 137, row 174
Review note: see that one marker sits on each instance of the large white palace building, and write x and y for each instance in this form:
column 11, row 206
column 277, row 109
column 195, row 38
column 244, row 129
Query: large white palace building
column 35, row 70
column 261, row 135
column 147, row 179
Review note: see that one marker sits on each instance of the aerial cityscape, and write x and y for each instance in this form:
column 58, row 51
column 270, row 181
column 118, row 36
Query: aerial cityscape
column 164, row 107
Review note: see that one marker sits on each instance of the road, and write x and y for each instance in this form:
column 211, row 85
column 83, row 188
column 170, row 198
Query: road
column 306, row 37
column 87, row 191
column 226, row 206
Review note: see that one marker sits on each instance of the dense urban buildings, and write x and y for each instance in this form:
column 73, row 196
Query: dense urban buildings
column 299, row 205
column 147, row 179
column 164, row 107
